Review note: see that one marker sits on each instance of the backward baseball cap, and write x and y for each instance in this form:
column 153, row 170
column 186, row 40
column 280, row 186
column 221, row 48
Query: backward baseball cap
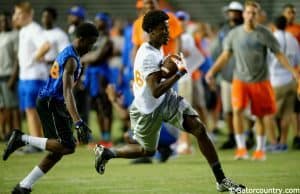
column 235, row 6
column 77, row 11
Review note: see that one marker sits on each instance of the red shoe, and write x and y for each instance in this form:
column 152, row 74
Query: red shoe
column 259, row 155
column 241, row 154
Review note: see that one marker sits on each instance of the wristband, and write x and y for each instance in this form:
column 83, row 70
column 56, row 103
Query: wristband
column 78, row 123
column 180, row 73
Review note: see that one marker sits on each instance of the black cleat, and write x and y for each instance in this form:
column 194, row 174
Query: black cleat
column 228, row 185
column 13, row 143
column 229, row 144
column 296, row 143
column 101, row 158
column 20, row 190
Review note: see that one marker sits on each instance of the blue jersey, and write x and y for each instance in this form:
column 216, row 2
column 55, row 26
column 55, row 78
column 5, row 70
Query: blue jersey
column 54, row 85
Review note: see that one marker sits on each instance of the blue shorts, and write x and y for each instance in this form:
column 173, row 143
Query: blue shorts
column 94, row 79
column 28, row 93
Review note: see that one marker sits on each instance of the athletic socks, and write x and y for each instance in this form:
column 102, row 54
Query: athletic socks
column 38, row 142
column 261, row 142
column 105, row 135
column 32, row 177
column 218, row 172
column 240, row 141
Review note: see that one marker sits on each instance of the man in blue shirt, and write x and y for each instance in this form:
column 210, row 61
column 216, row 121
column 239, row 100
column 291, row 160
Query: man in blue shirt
column 57, row 110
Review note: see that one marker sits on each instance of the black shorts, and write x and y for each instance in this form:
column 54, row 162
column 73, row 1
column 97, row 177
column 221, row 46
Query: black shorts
column 297, row 106
column 56, row 121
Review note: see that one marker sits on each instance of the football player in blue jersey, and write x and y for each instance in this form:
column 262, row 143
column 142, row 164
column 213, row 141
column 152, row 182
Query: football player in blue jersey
column 57, row 110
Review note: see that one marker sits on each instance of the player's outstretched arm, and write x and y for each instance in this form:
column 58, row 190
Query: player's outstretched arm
column 159, row 87
column 68, row 82
column 221, row 61
column 285, row 63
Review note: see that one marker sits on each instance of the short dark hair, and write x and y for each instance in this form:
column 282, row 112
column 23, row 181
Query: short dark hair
column 280, row 22
column 52, row 11
column 86, row 30
column 291, row 6
column 153, row 19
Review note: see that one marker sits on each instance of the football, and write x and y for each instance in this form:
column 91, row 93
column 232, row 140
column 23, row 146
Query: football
column 169, row 66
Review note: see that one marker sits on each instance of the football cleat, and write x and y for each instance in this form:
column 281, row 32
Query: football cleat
column 228, row 185
column 14, row 142
column 20, row 190
column 100, row 160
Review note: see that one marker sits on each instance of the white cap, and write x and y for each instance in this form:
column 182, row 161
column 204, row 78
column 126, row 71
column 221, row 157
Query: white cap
column 236, row 6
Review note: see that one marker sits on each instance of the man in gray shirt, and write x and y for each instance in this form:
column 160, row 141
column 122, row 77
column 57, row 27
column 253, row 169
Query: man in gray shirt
column 9, row 113
column 249, row 44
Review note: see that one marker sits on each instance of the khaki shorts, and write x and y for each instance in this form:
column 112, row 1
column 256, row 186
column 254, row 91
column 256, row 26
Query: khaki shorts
column 198, row 94
column 285, row 99
column 185, row 88
column 226, row 96
column 146, row 127
column 8, row 98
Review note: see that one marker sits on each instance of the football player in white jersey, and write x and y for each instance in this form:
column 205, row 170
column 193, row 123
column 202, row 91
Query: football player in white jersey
column 155, row 102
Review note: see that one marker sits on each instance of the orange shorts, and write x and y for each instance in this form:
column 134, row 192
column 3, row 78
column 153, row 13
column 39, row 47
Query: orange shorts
column 260, row 94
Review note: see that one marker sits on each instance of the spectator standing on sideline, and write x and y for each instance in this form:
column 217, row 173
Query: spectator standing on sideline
column 33, row 73
column 56, row 36
column 9, row 112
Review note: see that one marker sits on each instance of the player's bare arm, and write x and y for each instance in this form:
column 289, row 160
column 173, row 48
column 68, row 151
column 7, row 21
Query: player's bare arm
column 221, row 61
column 285, row 63
column 159, row 87
column 68, row 82
column 99, row 54
column 42, row 51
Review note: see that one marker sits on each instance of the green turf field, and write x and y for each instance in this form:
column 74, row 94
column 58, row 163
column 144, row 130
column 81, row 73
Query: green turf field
column 75, row 174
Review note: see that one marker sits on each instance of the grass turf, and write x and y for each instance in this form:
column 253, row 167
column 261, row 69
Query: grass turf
column 75, row 174
column 182, row 175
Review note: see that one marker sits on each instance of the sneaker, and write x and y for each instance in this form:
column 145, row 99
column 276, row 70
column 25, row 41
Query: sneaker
column 283, row 147
column 228, row 185
column 20, row 190
column 229, row 144
column 14, row 142
column 241, row 154
column 100, row 159
column 296, row 143
column 259, row 155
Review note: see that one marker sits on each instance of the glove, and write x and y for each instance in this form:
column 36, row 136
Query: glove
column 83, row 132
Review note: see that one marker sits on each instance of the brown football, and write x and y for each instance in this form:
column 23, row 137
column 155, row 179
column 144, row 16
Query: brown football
column 169, row 66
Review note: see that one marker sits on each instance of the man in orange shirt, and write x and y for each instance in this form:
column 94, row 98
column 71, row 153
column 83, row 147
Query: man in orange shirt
column 289, row 12
column 139, row 36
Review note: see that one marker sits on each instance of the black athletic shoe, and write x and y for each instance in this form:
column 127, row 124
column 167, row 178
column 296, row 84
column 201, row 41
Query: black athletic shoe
column 20, row 190
column 165, row 153
column 101, row 158
column 13, row 143
column 229, row 144
column 228, row 185
column 296, row 143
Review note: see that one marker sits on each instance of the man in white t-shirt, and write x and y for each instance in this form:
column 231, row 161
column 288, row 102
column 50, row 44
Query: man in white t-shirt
column 155, row 102
column 190, row 88
column 33, row 70
column 56, row 36
column 283, row 82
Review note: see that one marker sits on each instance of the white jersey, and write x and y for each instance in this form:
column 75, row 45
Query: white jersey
column 195, row 58
column 31, row 38
column 58, row 40
column 289, row 46
column 147, row 61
